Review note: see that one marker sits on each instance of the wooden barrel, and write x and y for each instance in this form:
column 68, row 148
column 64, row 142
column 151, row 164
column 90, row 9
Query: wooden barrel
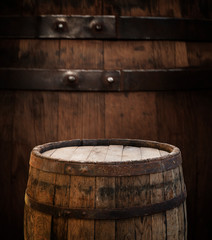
column 167, row 99
column 105, row 189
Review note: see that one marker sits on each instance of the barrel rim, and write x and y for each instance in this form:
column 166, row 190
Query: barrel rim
column 127, row 168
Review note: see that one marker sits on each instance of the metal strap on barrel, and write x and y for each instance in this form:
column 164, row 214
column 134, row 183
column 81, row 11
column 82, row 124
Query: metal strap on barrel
column 106, row 27
column 105, row 80
column 113, row 213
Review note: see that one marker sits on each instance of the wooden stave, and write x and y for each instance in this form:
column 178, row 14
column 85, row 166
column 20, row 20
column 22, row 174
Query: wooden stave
column 197, row 208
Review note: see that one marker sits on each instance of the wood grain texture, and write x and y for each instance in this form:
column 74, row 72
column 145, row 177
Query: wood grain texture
column 105, row 198
column 105, row 193
column 157, row 195
column 92, row 192
column 42, row 190
column 31, row 118
column 122, row 111
column 83, row 116
column 183, row 105
column 82, row 195
column 61, row 198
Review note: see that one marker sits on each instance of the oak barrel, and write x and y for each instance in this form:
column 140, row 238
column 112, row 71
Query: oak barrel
column 105, row 189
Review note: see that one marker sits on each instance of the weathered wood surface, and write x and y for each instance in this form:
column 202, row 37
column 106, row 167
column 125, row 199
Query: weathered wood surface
column 105, row 193
column 31, row 118
column 111, row 153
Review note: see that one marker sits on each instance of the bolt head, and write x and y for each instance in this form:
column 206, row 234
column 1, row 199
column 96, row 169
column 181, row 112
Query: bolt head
column 71, row 78
column 110, row 79
column 98, row 27
column 60, row 25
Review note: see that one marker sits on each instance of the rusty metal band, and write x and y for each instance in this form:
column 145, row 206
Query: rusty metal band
column 103, row 169
column 105, row 27
column 105, row 80
column 106, row 214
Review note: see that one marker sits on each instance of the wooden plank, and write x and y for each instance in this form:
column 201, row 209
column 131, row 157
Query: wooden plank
column 114, row 153
column 131, row 153
column 44, row 193
column 81, row 7
column 157, row 195
column 175, row 224
column 171, row 191
column 63, row 153
column 128, row 8
column 31, row 127
column 199, row 54
column 82, row 195
column 145, row 8
column 49, row 7
column 105, row 198
column 37, row 53
column 180, row 105
column 196, row 9
column 181, row 222
column 183, row 209
column 86, row 109
column 29, row 213
column 127, row 115
column 98, row 154
column 125, row 229
column 198, row 185
column 143, row 226
column 203, row 106
column 148, row 153
column 48, row 153
column 80, row 54
column 61, row 198
column 81, row 153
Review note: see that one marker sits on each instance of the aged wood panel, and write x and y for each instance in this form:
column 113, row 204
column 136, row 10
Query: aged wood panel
column 82, row 195
column 105, row 194
column 61, row 198
column 203, row 103
column 183, row 119
column 122, row 111
column 32, row 113
column 84, row 115
column 183, row 105
column 157, row 195
column 105, row 198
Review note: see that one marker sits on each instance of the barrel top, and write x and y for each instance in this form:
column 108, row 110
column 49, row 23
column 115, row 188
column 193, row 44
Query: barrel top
column 105, row 157
column 111, row 153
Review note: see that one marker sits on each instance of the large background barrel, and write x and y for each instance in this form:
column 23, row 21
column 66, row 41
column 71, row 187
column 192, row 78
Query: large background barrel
column 31, row 117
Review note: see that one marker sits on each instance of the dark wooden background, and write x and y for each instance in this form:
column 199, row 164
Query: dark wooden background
column 29, row 118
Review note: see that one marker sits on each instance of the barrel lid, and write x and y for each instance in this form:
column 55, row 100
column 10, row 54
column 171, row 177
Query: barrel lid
column 110, row 153
column 113, row 157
